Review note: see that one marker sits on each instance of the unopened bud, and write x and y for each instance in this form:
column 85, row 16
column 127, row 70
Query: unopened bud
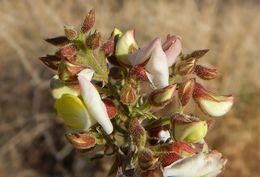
column 108, row 47
column 70, row 32
column 210, row 103
column 198, row 53
column 67, row 52
column 52, row 61
column 186, row 67
column 128, row 95
column 111, row 107
column 169, row 158
column 138, row 133
column 58, row 41
column 89, row 21
column 185, row 91
column 81, row 140
column 190, row 132
column 125, row 46
column 205, row 73
column 162, row 97
column 93, row 40
column 147, row 160
column 139, row 72
column 68, row 72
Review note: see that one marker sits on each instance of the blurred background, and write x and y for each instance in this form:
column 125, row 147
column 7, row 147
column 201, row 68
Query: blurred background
column 32, row 142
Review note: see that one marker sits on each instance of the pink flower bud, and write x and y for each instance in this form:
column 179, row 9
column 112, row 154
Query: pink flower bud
column 67, row 52
column 139, row 72
column 169, row 158
column 162, row 97
column 108, row 47
column 89, row 21
column 205, row 73
column 210, row 103
column 186, row 67
column 111, row 107
column 172, row 48
column 185, row 91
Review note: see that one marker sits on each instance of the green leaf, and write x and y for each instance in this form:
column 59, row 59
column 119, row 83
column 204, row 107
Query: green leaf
column 99, row 65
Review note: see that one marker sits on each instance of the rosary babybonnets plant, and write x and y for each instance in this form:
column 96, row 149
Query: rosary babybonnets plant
column 108, row 95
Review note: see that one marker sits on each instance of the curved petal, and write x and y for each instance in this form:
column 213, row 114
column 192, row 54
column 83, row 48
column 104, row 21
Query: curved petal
column 172, row 48
column 73, row 112
column 93, row 100
column 157, row 66
column 201, row 164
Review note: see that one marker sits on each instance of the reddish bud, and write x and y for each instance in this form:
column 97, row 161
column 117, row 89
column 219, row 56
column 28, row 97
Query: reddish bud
column 67, row 51
column 139, row 72
column 93, row 40
column 138, row 133
column 185, row 91
column 198, row 53
column 169, row 158
column 58, row 41
column 89, row 21
column 108, row 47
column 181, row 148
column 81, row 140
column 70, row 32
column 147, row 160
column 111, row 107
column 186, row 67
column 162, row 97
column 52, row 61
column 205, row 73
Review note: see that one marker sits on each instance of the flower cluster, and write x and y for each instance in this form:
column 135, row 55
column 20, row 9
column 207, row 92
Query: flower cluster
column 108, row 94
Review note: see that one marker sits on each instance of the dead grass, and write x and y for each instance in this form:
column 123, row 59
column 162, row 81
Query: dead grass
column 31, row 135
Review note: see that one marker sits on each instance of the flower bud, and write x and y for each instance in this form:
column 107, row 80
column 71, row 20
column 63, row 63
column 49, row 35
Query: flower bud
column 169, row 158
column 162, row 97
column 147, row 159
column 93, row 40
column 125, row 46
column 67, row 51
column 157, row 172
column 182, row 148
column 58, row 41
column 186, row 67
column 210, row 103
column 138, row 133
column 81, row 140
column 185, row 91
column 128, row 95
column 59, row 88
column 205, row 73
column 198, row 53
column 70, row 32
column 108, row 47
column 190, row 132
column 52, row 61
column 68, row 72
column 111, row 107
column 89, row 21
column 139, row 72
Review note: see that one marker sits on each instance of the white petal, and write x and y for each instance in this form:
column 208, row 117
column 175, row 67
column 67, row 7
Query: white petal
column 196, row 166
column 93, row 100
column 157, row 66
column 164, row 135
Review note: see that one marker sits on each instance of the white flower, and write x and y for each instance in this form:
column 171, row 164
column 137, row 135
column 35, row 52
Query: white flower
column 92, row 100
column 203, row 164
column 156, row 57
